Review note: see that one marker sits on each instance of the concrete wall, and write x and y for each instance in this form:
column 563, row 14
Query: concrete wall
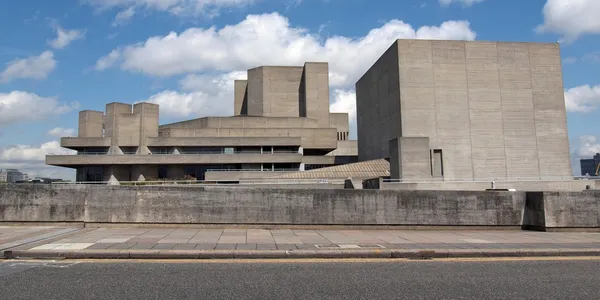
column 90, row 124
column 240, row 97
column 565, row 185
column 306, row 206
column 257, row 206
column 316, row 92
column 554, row 210
column 378, row 106
column 341, row 122
column 494, row 109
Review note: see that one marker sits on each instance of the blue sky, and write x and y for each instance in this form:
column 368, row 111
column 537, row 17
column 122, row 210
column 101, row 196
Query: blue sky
column 59, row 57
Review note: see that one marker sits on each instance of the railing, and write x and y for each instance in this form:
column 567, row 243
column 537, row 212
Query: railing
column 188, row 153
column 495, row 179
column 253, row 170
column 212, row 182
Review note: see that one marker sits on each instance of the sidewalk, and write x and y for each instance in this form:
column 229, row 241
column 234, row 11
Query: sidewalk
column 289, row 243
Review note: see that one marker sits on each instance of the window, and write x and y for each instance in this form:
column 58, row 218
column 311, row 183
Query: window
column 437, row 163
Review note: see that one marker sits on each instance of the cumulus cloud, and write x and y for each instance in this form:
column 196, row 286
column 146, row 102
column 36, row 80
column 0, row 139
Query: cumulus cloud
column 19, row 106
column 203, row 95
column 30, row 159
column 64, row 37
column 33, row 67
column 175, row 7
column 463, row 2
column 61, row 132
column 584, row 98
column 571, row 19
column 266, row 39
column 269, row 39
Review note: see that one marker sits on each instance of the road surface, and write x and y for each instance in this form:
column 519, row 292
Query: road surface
column 307, row 279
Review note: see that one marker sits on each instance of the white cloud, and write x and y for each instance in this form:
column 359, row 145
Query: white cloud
column 175, row 7
column 107, row 61
column 344, row 101
column 61, row 132
column 588, row 146
column 124, row 16
column 18, row 106
column 571, row 19
column 584, row 98
column 64, row 37
column 204, row 95
column 30, row 159
column 33, row 67
column 463, row 2
column 269, row 39
column 25, row 153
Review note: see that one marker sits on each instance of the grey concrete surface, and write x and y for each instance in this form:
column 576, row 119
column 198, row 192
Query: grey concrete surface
column 267, row 280
column 230, row 238
column 494, row 109
column 223, row 205
column 308, row 206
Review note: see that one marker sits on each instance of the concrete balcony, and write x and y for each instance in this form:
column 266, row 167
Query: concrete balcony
column 172, row 159
column 76, row 142
column 223, row 141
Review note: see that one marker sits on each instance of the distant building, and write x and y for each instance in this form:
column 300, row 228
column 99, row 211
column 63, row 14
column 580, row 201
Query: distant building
column 281, row 123
column 590, row 165
column 11, row 175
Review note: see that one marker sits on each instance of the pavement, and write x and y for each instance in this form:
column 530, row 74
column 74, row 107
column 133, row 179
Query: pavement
column 549, row 278
column 194, row 243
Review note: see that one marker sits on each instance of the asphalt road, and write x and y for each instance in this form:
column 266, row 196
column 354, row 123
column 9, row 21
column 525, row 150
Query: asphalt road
column 302, row 280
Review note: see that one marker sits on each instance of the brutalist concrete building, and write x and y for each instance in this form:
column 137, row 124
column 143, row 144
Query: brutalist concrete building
column 465, row 110
column 281, row 124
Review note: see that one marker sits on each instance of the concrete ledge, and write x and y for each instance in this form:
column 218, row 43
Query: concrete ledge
column 291, row 254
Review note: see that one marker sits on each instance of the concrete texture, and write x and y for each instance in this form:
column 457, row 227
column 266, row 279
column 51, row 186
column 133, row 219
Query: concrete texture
column 494, row 109
column 550, row 210
column 153, row 241
column 259, row 205
column 518, row 185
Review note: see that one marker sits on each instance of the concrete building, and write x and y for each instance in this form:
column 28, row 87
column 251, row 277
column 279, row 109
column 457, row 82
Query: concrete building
column 11, row 175
column 465, row 110
column 589, row 166
column 282, row 123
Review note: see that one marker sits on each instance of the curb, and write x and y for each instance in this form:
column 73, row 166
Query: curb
column 291, row 254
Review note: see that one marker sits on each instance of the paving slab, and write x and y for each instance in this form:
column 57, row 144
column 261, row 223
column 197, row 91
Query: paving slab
column 295, row 243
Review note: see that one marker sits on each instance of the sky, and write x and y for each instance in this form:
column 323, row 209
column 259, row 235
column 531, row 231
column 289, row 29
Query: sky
column 60, row 57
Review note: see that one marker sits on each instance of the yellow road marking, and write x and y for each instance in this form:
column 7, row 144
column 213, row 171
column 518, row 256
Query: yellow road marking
column 321, row 260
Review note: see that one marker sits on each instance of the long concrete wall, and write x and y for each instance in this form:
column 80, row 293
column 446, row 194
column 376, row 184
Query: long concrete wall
column 241, row 205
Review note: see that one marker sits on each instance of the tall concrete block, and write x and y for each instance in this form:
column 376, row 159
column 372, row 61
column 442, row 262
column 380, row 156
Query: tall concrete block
column 281, row 91
column 91, row 124
column 549, row 111
column 378, row 112
column 491, row 109
column 113, row 111
column 316, row 92
column 255, row 91
column 240, row 90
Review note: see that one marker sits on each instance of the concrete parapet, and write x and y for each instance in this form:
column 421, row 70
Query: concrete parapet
column 296, row 206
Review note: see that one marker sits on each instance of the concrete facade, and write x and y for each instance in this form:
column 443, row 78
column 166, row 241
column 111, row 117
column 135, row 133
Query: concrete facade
column 488, row 110
column 281, row 123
